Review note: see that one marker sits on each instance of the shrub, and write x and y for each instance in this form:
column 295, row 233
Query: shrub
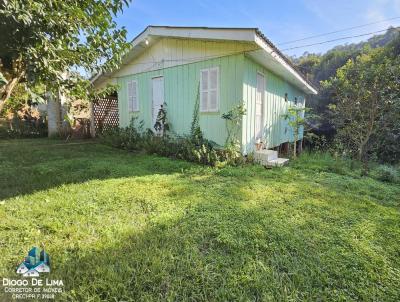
column 193, row 147
column 386, row 173
column 24, row 128
column 129, row 138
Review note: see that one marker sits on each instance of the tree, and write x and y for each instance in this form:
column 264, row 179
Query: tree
column 42, row 41
column 365, row 91
column 321, row 67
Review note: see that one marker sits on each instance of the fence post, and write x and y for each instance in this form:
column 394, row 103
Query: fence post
column 92, row 125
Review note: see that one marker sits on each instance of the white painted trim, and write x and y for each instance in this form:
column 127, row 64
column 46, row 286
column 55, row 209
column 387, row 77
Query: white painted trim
column 152, row 99
column 153, row 33
column 262, row 104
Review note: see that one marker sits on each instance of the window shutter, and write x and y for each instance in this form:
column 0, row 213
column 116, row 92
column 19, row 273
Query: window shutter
column 133, row 103
column 209, row 89
column 204, row 90
column 130, row 96
column 213, row 95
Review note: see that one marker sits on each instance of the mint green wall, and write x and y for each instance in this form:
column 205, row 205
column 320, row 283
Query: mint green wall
column 276, row 130
column 181, row 86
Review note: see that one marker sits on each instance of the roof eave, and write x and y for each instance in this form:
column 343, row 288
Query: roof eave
column 252, row 35
column 270, row 48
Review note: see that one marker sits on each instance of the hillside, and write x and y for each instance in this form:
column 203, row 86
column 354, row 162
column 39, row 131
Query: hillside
column 320, row 67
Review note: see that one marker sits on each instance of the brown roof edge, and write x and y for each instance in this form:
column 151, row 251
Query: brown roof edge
column 286, row 59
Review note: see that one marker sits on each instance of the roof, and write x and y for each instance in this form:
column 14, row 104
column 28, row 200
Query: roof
column 268, row 54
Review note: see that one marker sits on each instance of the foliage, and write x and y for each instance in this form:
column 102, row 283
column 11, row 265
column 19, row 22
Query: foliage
column 128, row 138
column 297, row 120
column 321, row 67
column 24, row 128
column 47, row 41
column 23, row 120
column 233, row 120
column 147, row 228
column 161, row 125
column 386, row 173
column 367, row 96
column 3, row 80
column 195, row 131
column 194, row 147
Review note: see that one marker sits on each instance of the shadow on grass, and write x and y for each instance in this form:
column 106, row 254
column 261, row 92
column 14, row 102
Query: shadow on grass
column 224, row 245
column 225, row 253
column 28, row 166
column 234, row 234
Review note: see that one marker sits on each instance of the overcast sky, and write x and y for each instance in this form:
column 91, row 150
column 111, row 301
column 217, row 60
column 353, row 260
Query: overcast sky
column 280, row 21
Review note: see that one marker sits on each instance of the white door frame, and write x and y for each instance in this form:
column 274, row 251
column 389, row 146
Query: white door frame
column 154, row 113
column 258, row 133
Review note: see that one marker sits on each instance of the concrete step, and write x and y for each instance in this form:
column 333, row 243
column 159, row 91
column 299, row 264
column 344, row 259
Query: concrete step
column 263, row 156
column 278, row 162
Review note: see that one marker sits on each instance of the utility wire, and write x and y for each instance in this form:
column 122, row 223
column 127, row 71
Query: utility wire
column 337, row 31
column 333, row 40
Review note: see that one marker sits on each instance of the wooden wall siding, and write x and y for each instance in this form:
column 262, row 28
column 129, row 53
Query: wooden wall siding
column 170, row 52
column 181, row 88
column 276, row 129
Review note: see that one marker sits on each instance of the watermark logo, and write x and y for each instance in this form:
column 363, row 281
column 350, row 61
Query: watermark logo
column 32, row 284
column 37, row 262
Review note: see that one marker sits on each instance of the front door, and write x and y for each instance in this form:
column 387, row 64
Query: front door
column 158, row 96
column 259, row 118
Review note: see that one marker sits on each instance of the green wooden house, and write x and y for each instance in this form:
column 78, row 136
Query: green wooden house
column 222, row 67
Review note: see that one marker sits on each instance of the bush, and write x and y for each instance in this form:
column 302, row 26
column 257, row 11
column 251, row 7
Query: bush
column 20, row 128
column 386, row 173
column 128, row 138
column 195, row 149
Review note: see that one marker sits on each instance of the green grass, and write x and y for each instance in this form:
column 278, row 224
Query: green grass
column 121, row 226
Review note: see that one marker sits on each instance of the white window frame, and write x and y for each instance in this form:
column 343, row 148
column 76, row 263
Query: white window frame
column 137, row 96
column 208, row 90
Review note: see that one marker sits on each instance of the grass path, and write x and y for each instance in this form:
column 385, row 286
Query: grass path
column 128, row 227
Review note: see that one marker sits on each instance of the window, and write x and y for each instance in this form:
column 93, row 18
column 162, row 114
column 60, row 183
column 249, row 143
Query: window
column 133, row 102
column 209, row 90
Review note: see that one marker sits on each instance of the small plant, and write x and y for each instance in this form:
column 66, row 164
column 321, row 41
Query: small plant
column 233, row 119
column 195, row 132
column 297, row 120
column 161, row 125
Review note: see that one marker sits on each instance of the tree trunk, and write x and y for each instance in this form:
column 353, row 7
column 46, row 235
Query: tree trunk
column 8, row 89
column 92, row 121
column 53, row 115
column 360, row 153
column 295, row 138
column 17, row 73
column 294, row 148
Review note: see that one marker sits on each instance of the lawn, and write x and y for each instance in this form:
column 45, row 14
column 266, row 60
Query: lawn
column 121, row 226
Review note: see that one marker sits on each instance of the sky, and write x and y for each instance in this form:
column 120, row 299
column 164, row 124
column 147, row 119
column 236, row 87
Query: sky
column 280, row 21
